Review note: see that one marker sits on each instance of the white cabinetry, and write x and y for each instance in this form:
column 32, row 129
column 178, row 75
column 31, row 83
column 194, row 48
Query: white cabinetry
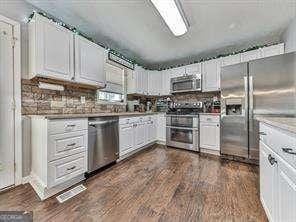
column 140, row 133
column 59, row 154
column 137, row 81
column 154, row 83
column 89, row 62
column 135, row 133
column 51, row 50
column 151, row 130
column 250, row 55
column 278, row 173
column 161, row 128
column 166, row 82
column 177, row 72
column 231, row 60
column 210, row 133
column 193, row 69
column 272, row 50
column 211, row 75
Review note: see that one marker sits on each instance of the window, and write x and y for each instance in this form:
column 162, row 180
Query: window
column 110, row 97
column 114, row 91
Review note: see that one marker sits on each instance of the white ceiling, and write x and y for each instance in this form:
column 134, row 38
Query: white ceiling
column 134, row 28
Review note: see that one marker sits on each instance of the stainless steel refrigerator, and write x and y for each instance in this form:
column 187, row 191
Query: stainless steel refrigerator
column 261, row 87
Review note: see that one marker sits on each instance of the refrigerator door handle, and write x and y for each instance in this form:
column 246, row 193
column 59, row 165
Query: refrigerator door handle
column 246, row 101
column 251, row 101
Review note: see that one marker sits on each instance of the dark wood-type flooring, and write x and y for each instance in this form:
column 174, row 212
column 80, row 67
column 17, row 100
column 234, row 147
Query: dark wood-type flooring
column 158, row 184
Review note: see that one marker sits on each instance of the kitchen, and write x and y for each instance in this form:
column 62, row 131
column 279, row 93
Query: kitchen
column 102, row 129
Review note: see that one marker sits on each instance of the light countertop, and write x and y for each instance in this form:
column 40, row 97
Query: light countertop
column 87, row 115
column 285, row 123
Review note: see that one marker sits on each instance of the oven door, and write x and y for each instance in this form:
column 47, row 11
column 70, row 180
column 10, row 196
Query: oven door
column 182, row 121
column 181, row 137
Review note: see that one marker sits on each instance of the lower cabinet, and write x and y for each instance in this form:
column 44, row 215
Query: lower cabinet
column 210, row 132
column 59, row 154
column 277, row 176
column 136, row 132
column 161, row 128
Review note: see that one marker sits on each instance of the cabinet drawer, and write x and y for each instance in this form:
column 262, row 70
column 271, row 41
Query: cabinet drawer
column 282, row 142
column 62, row 145
column 62, row 170
column 209, row 118
column 66, row 125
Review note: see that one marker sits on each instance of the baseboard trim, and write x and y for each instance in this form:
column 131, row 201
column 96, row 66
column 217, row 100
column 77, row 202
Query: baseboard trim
column 213, row 152
column 26, row 179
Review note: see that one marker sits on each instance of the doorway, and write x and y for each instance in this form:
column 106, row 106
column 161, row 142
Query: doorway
column 10, row 117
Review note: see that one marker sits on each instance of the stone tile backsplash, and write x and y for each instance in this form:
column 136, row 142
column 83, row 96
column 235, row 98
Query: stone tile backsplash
column 36, row 101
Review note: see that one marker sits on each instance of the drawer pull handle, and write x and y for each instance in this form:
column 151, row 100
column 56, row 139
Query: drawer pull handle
column 271, row 160
column 71, row 168
column 289, row 151
column 262, row 133
column 72, row 144
column 71, row 125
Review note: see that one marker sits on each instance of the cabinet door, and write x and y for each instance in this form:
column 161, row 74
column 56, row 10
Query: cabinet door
column 151, row 131
column 286, row 192
column 211, row 75
column 268, row 181
column 210, row 136
column 126, row 138
column 177, row 72
column 193, row 69
column 54, row 50
column 155, row 83
column 272, row 50
column 250, row 55
column 89, row 62
column 161, row 127
column 140, row 135
column 231, row 60
column 144, row 82
column 166, row 82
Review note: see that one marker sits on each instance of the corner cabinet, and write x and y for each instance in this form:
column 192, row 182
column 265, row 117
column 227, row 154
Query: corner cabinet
column 211, row 75
column 89, row 62
column 278, row 173
column 51, row 49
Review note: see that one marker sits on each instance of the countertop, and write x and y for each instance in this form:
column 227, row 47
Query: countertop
column 284, row 123
column 86, row 115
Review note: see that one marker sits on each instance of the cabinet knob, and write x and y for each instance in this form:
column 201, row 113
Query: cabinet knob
column 271, row 160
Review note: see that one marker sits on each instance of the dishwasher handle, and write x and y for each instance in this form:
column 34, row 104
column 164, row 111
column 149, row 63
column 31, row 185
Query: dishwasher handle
column 95, row 123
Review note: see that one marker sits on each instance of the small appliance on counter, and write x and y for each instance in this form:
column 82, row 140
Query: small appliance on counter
column 133, row 105
column 216, row 105
column 162, row 104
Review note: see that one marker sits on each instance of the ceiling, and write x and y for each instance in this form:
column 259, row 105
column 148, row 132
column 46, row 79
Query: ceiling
column 134, row 28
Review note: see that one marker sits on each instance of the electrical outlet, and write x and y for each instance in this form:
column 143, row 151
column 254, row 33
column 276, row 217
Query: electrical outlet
column 82, row 99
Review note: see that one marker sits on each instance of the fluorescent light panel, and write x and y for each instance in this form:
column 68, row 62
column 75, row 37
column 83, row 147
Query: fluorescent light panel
column 172, row 16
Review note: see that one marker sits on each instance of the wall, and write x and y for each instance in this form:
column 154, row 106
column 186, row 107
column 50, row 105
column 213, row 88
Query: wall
column 289, row 37
column 36, row 101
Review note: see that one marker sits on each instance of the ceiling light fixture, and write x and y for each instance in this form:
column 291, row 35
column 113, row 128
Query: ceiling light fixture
column 173, row 15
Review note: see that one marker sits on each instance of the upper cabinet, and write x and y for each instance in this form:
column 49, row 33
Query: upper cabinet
column 51, row 49
column 211, row 75
column 154, row 83
column 89, row 62
column 137, row 81
column 250, row 55
column 51, row 54
column 193, row 69
column 273, row 50
column 166, row 82
column 230, row 60
column 177, row 72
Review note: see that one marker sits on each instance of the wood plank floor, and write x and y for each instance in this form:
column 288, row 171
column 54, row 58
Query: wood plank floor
column 158, row 184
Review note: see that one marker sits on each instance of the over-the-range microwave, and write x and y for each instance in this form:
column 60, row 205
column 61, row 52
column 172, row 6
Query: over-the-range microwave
column 187, row 83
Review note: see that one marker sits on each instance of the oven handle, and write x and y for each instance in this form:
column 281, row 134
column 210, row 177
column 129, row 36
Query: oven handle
column 185, row 128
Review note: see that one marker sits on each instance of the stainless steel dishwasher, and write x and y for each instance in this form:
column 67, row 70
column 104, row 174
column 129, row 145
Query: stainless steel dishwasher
column 103, row 142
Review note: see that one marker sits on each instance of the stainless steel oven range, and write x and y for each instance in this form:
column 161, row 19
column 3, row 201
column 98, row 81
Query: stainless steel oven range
column 182, row 125
column 182, row 131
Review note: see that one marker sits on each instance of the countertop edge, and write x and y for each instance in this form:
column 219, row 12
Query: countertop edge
column 278, row 123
